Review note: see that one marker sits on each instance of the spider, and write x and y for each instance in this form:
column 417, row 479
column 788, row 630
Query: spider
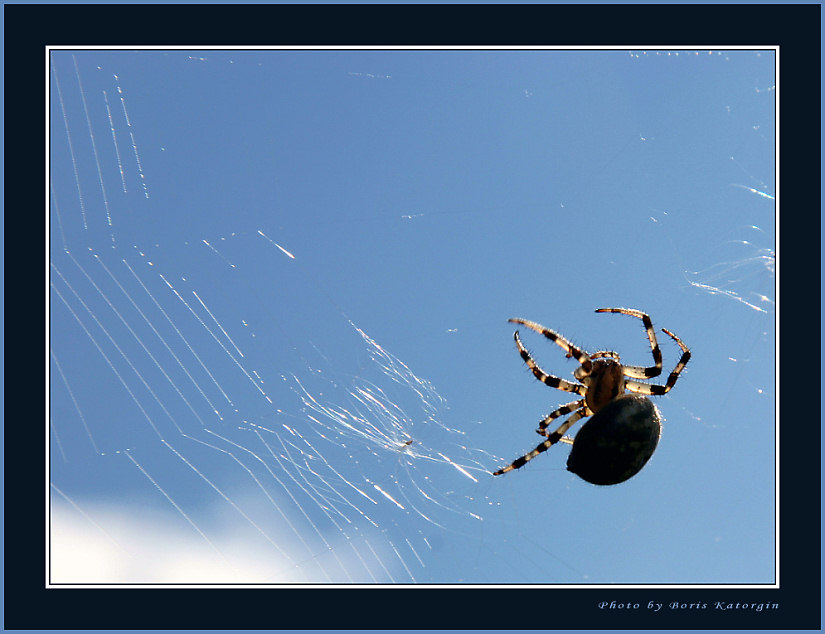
column 624, row 429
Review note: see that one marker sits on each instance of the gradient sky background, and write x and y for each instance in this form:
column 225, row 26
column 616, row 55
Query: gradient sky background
column 272, row 270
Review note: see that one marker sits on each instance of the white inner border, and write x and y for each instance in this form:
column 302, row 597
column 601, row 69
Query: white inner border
column 774, row 49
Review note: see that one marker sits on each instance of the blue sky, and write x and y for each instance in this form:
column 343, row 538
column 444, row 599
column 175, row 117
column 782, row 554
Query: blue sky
column 273, row 269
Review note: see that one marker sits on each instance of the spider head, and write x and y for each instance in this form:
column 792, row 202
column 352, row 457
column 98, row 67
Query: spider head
column 604, row 382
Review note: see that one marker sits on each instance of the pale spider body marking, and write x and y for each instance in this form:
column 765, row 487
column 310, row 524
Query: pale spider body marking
column 602, row 380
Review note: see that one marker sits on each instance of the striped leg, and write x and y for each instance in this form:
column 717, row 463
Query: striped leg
column 606, row 353
column 561, row 411
column 571, row 350
column 634, row 371
column 552, row 439
column 646, row 388
column 548, row 379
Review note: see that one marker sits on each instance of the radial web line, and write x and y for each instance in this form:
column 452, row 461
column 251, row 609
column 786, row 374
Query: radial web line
column 88, row 518
column 251, row 475
column 188, row 345
column 132, row 137
column 71, row 148
column 74, row 401
column 225, row 334
column 173, row 503
column 100, row 350
column 123, row 354
column 145, row 348
column 274, row 503
column 313, row 498
column 94, row 147
column 114, row 141
column 217, row 490
column 218, row 341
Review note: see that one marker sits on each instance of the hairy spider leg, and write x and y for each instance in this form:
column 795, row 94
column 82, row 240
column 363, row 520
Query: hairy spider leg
column 572, row 351
column 548, row 379
column 552, row 439
column 635, row 371
column 561, row 411
column 657, row 390
column 606, row 353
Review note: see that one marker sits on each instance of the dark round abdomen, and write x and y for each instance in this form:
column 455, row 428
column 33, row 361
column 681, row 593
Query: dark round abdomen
column 617, row 441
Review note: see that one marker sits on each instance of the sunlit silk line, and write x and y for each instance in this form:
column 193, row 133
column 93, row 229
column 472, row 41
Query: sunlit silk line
column 90, row 520
column 274, row 503
column 71, row 148
column 219, row 254
column 317, row 454
column 386, row 415
column 390, row 416
column 287, row 253
column 298, row 505
column 422, row 513
column 175, row 504
column 217, row 340
column 56, row 435
column 450, row 508
column 133, row 333
column 400, row 373
column 114, row 141
column 365, row 428
column 359, row 425
column 94, row 147
column 191, row 349
column 329, row 504
column 59, row 218
column 217, row 323
column 316, row 406
column 139, row 340
column 326, row 505
column 765, row 259
column 294, row 464
column 382, row 408
column 420, row 561
column 251, row 475
column 350, row 484
column 132, row 136
column 459, row 467
column 388, row 496
column 755, row 191
column 713, row 290
column 105, row 356
column 111, row 339
column 217, row 490
column 378, row 436
column 74, row 402
column 380, row 563
column 403, row 563
column 414, row 382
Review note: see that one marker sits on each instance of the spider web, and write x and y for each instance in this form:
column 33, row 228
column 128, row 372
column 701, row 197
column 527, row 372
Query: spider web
column 270, row 366
column 325, row 456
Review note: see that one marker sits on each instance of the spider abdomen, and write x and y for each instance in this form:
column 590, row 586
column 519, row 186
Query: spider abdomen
column 617, row 441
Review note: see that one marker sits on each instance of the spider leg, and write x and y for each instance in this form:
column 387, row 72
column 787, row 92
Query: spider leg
column 635, row 371
column 572, row 351
column 561, row 411
column 605, row 353
column 647, row 388
column 548, row 379
column 552, row 439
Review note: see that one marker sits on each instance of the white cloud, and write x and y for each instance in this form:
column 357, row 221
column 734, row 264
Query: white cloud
column 121, row 544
